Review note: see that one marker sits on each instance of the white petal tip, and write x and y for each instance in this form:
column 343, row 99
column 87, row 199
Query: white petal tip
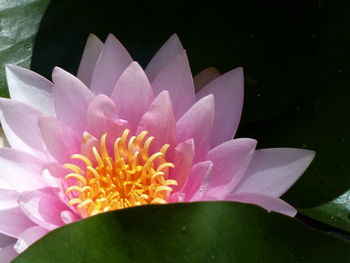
column 91, row 35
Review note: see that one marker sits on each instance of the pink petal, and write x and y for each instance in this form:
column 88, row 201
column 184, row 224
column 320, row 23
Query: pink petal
column 197, row 123
column 8, row 194
column 5, row 241
column 102, row 118
column 183, row 160
column 21, row 170
column 176, row 77
column 71, row 99
column 28, row 237
column 270, row 203
column 43, row 207
column 204, row 77
column 198, row 181
column 51, row 181
column 228, row 92
column 7, row 254
column 58, row 173
column 274, row 171
column 132, row 95
column 13, row 222
column 68, row 217
column 4, row 184
column 19, row 122
column 60, row 140
column 113, row 60
column 56, row 170
column 159, row 121
column 230, row 161
column 176, row 197
column 29, row 87
column 8, row 199
column 165, row 54
column 210, row 198
column 92, row 50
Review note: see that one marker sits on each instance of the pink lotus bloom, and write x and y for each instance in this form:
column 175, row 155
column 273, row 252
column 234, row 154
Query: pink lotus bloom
column 117, row 136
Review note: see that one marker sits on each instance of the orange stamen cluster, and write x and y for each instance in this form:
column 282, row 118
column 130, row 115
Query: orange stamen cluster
column 130, row 178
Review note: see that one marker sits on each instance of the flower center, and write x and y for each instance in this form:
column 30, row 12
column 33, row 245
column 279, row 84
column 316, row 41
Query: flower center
column 131, row 178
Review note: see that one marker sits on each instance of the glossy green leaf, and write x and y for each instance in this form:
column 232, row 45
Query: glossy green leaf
column 192, row 232
column 335, row 213
column 19, row 22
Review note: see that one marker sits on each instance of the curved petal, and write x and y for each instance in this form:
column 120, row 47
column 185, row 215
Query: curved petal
column 270, row 203
column 8, row 199
column 71, row 99
column 204, row 77
column 28, row 237
column 132, row 95
column 176, row 77
column 228, row 92
column 68, row 217
column 58, row 173
column 113, row 60
column 13, row 222
column 4, row 185
column 21, row 170
column 7, row 254
column 102, row 118
column 165, row 54
column 92, row 50
column 19, row 122
column 159, row 121
column 274, row 171
column 60, row 140
column 51, row 181
column 5, row 241
column 29, row 87
column 230, row 161
column 183, row 160
column 43, row 207
column 198, row 181
column 176, row 197
column 197, row 123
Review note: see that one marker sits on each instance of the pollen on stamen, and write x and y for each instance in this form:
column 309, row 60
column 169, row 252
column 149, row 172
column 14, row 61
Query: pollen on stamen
column 128, row 177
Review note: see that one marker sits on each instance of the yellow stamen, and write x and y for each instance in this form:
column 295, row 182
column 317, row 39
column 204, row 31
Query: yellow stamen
column 133, row 177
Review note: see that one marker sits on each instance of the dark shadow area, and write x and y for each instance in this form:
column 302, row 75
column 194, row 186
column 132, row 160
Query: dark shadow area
column 276, row 43
column 320, row 120
column 324, row 227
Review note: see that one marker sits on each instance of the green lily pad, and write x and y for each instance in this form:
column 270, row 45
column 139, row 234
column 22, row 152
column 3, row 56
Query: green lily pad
column 335, row 213
column 192, row 232
column 19, row 21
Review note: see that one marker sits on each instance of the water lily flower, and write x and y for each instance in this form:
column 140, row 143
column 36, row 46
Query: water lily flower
column 118, row 136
